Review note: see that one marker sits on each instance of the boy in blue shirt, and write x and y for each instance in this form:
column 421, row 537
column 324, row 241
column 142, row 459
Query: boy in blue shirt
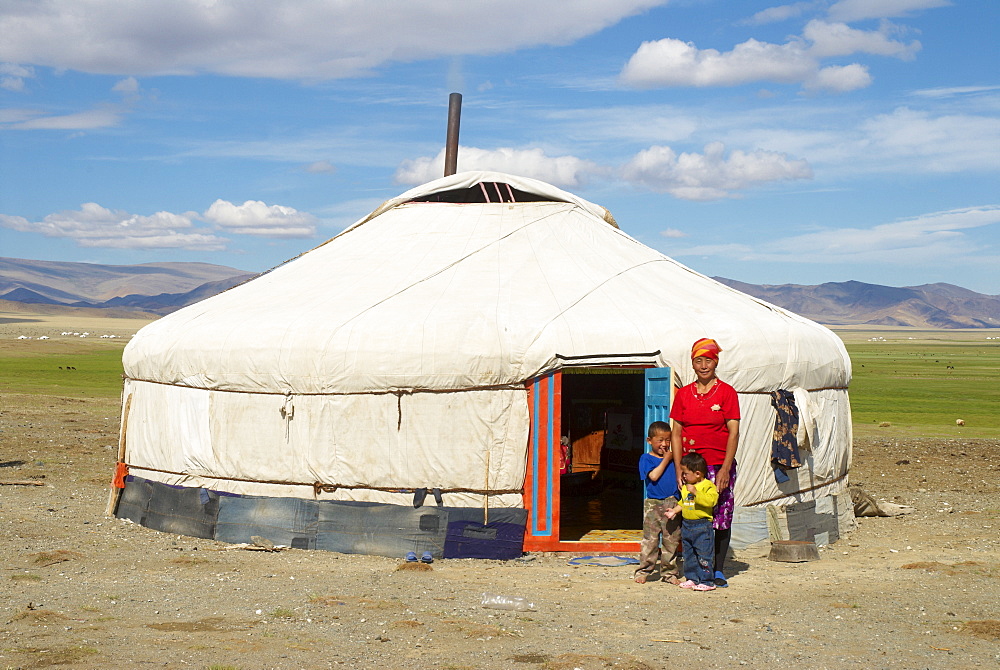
column 656, row 468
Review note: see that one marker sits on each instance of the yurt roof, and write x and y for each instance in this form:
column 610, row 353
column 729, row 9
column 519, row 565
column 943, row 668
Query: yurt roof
column 431, row 294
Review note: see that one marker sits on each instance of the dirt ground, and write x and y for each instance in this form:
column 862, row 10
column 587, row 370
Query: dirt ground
column 81, row 590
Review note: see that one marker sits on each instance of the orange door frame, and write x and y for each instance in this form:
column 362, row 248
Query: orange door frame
column 542, row 482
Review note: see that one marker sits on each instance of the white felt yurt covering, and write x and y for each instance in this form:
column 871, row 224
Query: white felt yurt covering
column 395, row 355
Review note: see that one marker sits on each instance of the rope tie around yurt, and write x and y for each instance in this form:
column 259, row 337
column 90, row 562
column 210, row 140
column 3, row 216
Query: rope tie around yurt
column 516, row 386
column 795, row 493
column 324, row 487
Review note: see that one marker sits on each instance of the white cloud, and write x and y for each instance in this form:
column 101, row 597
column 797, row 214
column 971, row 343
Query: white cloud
column 952, row 91
column 298, row 39
column 254, row 217
column 88, row 120
column 935, row 237
column 843, row 141
column 565, row 171
column 310, row 147
column 13, row 115
column 897, row 242
column 320, row 167
column 839, row 39
column 690, row 176
column 671, row 62
column 647, row 123
column 126, row 85
column 12, row 76
column 930, row 237
column 12, row 83
column 942, row 143
column 104, row 116
column 673, row 233
column 857, row 10
column 840, row 78
column 96, row 226
column 710, row 176
column 780, row 13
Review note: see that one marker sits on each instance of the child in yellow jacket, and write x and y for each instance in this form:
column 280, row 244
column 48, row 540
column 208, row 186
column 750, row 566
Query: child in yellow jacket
column 698, row 498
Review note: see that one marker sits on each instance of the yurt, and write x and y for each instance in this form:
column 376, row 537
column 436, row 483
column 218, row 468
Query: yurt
column 467, row 371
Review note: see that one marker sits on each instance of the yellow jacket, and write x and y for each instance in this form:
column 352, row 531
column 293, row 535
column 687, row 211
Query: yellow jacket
column 699, row 505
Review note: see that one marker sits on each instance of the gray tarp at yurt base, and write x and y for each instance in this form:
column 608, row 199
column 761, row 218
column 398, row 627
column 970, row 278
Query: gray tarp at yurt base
column 308, row 404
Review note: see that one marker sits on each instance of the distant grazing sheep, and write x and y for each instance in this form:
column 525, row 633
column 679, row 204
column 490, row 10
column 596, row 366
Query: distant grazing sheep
column 959, row 422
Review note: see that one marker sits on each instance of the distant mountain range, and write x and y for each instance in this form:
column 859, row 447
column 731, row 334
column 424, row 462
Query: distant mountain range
column 161, row 288
column 158, row 288
column 857, row 303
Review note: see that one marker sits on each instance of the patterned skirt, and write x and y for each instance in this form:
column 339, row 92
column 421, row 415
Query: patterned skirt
column 724, row 508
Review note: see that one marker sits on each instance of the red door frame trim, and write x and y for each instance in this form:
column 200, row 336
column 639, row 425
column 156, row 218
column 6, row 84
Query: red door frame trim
column 542, row 482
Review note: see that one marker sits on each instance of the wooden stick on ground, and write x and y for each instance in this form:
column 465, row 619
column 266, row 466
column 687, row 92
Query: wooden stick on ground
column 115, row 493
column 23, row 482
column 486, row 494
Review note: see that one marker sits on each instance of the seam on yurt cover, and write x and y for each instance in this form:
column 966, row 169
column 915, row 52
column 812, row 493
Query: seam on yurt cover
column 584, row 295
column 513, row 386
column 323, row 486
column 444, row 268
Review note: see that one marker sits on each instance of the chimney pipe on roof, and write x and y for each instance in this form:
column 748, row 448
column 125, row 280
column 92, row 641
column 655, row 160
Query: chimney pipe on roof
column 451, row 143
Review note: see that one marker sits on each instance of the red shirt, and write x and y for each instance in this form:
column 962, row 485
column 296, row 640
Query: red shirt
column 703, row 419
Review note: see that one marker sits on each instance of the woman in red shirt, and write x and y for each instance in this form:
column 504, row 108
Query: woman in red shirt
column 707, row 412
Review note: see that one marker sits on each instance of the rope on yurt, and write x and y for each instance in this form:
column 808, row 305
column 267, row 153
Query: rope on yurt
column 324, row 487
column 823, row 388
column 806, row 490
column 513, row 386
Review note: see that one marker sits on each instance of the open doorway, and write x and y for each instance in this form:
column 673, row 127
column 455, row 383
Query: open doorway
column 603, row 435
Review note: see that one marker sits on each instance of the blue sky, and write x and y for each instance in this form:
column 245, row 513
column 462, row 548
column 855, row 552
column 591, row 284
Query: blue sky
column 800, row 143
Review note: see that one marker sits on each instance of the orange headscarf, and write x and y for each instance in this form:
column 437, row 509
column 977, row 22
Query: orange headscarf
column 706, row 347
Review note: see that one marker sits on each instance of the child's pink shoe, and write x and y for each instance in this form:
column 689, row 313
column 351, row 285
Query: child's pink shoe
column 687, row 585
column 703, row 587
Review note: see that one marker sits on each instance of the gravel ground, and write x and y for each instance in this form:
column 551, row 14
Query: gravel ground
column 81, row 590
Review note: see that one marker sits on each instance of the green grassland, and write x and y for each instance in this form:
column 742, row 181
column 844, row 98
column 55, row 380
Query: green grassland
column 921, row 382
column 918, row 382
column 70, row 369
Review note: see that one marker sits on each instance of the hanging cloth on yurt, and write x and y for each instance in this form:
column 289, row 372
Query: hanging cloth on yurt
column 784, row 443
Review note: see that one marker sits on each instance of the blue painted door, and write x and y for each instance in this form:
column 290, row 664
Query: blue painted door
column 658, row 387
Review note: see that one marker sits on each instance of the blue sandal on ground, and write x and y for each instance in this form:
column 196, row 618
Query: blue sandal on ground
column 427, row 558
column 411, row 557
column 720, row 580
